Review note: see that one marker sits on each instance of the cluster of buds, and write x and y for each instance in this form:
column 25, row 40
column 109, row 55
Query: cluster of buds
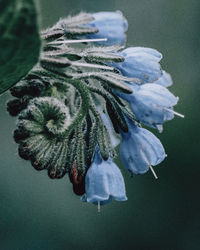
column 86, row 94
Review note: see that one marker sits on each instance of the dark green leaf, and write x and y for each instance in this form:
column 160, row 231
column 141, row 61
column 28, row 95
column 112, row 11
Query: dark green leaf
column 19, row 40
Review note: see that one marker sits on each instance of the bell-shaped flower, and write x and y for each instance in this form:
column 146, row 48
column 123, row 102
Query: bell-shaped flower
column 151, row 104
column 140, row 149
column 103, row 182
column 165, row 80
column 110, row 25
column 141, row 63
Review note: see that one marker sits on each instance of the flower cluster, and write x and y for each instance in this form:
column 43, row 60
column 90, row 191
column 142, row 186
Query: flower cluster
column 70, row 119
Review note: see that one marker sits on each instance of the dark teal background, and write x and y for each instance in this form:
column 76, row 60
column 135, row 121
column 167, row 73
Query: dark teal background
column 164, row 214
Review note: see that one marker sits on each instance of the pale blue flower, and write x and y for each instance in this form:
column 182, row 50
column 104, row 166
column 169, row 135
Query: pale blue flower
column 111, row 25
column 140, row 149
column 103, row 182
column 141, row 63
column 151, row 104
column 165, row 80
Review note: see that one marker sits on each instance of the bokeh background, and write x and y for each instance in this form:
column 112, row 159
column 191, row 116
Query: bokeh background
column 39, row 213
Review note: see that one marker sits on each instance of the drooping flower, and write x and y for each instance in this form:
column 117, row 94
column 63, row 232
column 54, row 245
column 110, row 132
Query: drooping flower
column 141, row 63
column 152, row 104
column 140, row 149
column 110, row 25
column 103, row 182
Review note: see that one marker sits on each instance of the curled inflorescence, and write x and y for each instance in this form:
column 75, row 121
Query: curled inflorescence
column 85, row 92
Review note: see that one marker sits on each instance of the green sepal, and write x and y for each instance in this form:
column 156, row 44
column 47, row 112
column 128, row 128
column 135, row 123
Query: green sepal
column 103, row 49
column 71, row 153
column 114, row 83
column 122, row 78
column 61, row 162
column 116, row 116
column 63, row 51
column 73, row 26
column 56, row 167
column 91, row 142
column 32, row 145
column 103, row 57
column 41, row 160
column 103, row 142
column 71, row 21
column 52, row 34
column 54, row 62
column 33, row 113
column 80, row 156
column 31, row 126
column 78, row 31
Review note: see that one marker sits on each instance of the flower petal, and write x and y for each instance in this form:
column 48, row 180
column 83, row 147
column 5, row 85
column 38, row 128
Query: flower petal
column 165, row 80
column 104, row 181
column 111, row 25
column 141, row 63
column 151, row 103
column 140, row 149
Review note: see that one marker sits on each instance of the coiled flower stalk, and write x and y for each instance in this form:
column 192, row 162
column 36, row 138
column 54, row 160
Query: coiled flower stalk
column 81, row 96
column 40, row 132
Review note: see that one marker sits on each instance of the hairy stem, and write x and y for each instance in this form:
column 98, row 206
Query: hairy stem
column 85, row 96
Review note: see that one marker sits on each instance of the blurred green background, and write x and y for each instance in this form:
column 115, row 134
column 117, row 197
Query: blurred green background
column 39, row 213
